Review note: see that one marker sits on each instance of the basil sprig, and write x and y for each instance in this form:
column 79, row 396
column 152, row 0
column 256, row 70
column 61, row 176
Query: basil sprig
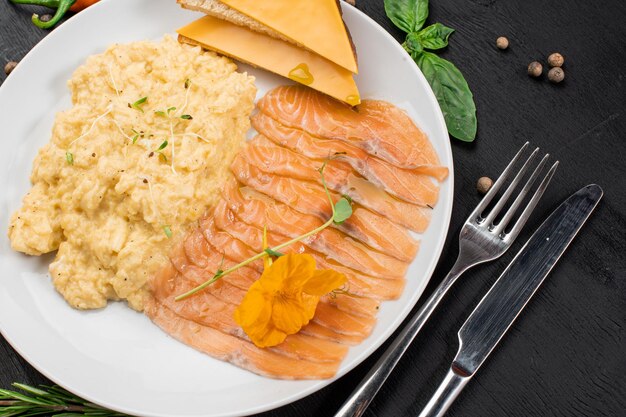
column 452, row 92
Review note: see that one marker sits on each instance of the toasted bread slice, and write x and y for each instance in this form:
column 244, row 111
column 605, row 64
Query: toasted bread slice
column 314, row 25
column 220, row 10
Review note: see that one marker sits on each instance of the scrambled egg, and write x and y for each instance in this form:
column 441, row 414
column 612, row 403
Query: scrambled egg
column 142, row 153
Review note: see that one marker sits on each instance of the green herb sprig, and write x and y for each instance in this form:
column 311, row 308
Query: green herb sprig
column 341, row 211
column 453, row 94
column 49, row 401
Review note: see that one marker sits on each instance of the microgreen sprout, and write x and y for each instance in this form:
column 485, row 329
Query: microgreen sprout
column 186, row 117
column 162, row 146
column 137, row 104
column 168, row 231
column 134, row 139
column 69, row 157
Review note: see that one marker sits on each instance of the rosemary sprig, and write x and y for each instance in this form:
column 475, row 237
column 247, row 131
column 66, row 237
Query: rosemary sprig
column 341, row 211
column 49, row 401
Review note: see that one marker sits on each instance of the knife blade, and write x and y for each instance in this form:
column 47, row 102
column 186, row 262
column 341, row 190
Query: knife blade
column 499, row 308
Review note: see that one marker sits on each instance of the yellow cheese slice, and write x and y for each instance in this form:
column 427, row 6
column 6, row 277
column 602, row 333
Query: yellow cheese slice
column 273, row 54
column 315, row 24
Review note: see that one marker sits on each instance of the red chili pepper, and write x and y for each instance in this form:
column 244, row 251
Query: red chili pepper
column 61, row 6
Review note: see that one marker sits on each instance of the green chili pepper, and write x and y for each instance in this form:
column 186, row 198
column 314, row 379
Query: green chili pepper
column 61, row 6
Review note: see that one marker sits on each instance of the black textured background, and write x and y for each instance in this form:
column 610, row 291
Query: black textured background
column 565, row 354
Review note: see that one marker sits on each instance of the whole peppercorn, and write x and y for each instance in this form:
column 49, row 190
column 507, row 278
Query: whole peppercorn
column 45, row 18
column 556, row 74
column 502, row 43
column 556, row 60
column 9, row 67
column 535, row 69
column 484, row 184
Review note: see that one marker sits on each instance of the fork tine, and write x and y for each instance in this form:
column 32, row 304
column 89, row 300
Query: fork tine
column 511, row 211
column 531, row 205
column 496, row 186
column 505, row 197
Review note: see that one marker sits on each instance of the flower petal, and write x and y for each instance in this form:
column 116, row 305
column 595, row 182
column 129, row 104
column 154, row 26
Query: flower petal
column 289, row 272
column 324, row 281
column 288, row 315
column 267, row 337
column 254, row 310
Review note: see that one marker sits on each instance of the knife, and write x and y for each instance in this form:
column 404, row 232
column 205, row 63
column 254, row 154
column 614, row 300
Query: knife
column 499, row 308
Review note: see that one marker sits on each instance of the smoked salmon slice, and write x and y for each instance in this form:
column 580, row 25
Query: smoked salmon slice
column 306, row 196
column 364, row 226
column 235, row 350
column 360, row 284
column 232, row 289
column 210, row 310
column 325, row 314
column 212, row 261
column 381, row 129
column 408, row 184
column 262, row 212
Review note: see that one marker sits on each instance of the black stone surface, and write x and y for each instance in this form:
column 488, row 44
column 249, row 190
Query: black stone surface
column 565, row 354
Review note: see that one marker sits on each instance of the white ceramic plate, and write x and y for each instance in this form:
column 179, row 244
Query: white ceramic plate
column 116, row 357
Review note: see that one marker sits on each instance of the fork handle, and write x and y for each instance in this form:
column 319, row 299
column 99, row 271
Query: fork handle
column 361, row 397
column 445, row 395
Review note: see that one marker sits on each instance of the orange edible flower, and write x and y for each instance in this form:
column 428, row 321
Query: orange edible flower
column 284, row 298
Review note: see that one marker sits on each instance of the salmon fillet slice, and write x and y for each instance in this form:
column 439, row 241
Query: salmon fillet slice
column 379, row 128
column 372, row 230
column 360, row 284
column 407, row 184
column 262, row 212
column 237, row 286
column 307, row 195
column 360, row 306
column 209, row 309
column 231, row 349
column 339, row 177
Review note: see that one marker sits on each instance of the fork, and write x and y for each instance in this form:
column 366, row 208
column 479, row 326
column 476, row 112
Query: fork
column 481, row 240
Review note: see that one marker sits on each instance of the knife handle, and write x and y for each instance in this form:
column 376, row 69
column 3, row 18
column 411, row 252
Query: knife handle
column 445, row 395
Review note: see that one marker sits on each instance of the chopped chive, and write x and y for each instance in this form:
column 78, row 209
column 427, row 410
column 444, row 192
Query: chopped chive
column 186, row 117
column 167, row 231
column 69, row 157
column 137, row 104
column 163, row 145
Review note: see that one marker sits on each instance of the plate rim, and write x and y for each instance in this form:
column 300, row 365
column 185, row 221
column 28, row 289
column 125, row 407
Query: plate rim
column 319, row 384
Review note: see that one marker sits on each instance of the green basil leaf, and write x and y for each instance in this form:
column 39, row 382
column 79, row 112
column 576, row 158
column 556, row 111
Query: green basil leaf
column 453, row 94
column 413, row 45
column 434, row 36
column 343, row 210
column 408, row 15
